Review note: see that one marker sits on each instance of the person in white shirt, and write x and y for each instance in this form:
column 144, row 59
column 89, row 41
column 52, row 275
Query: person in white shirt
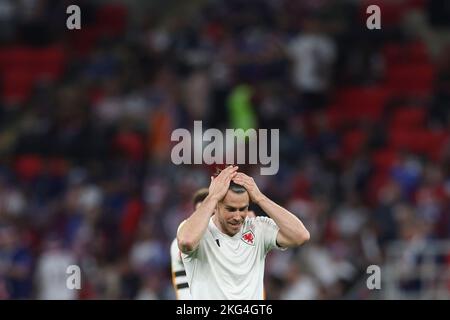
column 179, row 279
column 223, row 250
column 51, row 273
column 313, row 54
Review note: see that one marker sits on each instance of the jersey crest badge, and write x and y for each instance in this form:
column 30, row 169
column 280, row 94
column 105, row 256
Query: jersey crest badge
column 248, row 237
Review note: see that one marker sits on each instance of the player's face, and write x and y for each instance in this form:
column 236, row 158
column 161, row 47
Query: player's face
column 231, row 212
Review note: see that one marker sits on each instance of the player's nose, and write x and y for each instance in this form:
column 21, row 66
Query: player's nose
column 237, row 217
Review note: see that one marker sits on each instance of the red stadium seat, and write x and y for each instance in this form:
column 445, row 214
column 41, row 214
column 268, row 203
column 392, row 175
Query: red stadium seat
column 112, row 19
column 49, row 62
column 28, row 167
column 359, row 104
column 408, row 118
column 418, row 52
column 384, row 159
column 419, row 141
column 353, row 141
column 15, row 57
column 411, row 53
column 22, row 66
column 130, row 144
column 17, row 85
column 404, row 139
column 434, row 142
column 411, row 79
column 84, row 40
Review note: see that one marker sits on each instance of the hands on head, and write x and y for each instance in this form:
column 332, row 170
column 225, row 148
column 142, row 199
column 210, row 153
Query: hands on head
column 219, row 185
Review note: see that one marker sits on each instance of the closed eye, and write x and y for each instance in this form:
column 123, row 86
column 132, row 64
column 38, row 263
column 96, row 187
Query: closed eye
column 232, row 209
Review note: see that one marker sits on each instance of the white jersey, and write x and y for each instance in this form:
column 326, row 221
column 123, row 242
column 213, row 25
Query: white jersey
column 179, row 279
column 313, row 56
column 51, row 276
column 231, row 268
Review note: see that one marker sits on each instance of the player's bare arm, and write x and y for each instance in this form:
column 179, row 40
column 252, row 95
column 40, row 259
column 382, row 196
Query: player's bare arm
column 292, row 231
column 192, row 229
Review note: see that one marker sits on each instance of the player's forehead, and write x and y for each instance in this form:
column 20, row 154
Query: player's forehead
column 236, row 200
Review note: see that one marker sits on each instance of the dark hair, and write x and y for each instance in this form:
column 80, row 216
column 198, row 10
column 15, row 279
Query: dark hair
column 237, row 188
column 199, row 196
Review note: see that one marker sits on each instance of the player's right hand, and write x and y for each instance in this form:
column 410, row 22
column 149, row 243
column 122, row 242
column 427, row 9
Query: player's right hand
column 219, row 185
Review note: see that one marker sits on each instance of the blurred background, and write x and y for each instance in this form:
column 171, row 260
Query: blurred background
column 86, row 117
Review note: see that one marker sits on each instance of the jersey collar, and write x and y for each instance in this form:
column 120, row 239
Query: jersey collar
column 218, row 232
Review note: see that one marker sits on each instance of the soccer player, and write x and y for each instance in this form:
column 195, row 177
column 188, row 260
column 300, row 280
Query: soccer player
column 223, row 250
column 179, row 280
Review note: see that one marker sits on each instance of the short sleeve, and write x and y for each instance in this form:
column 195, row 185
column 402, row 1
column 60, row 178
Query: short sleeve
column 175, row 253
column 188, row 255
column 268, row 229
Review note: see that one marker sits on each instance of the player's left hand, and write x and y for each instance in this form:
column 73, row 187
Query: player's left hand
column 249, row 184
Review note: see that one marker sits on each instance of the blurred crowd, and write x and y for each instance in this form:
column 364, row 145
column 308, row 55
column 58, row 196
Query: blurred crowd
column 86, row 176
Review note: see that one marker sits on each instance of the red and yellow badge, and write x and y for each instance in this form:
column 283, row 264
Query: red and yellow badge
column 248, row 237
